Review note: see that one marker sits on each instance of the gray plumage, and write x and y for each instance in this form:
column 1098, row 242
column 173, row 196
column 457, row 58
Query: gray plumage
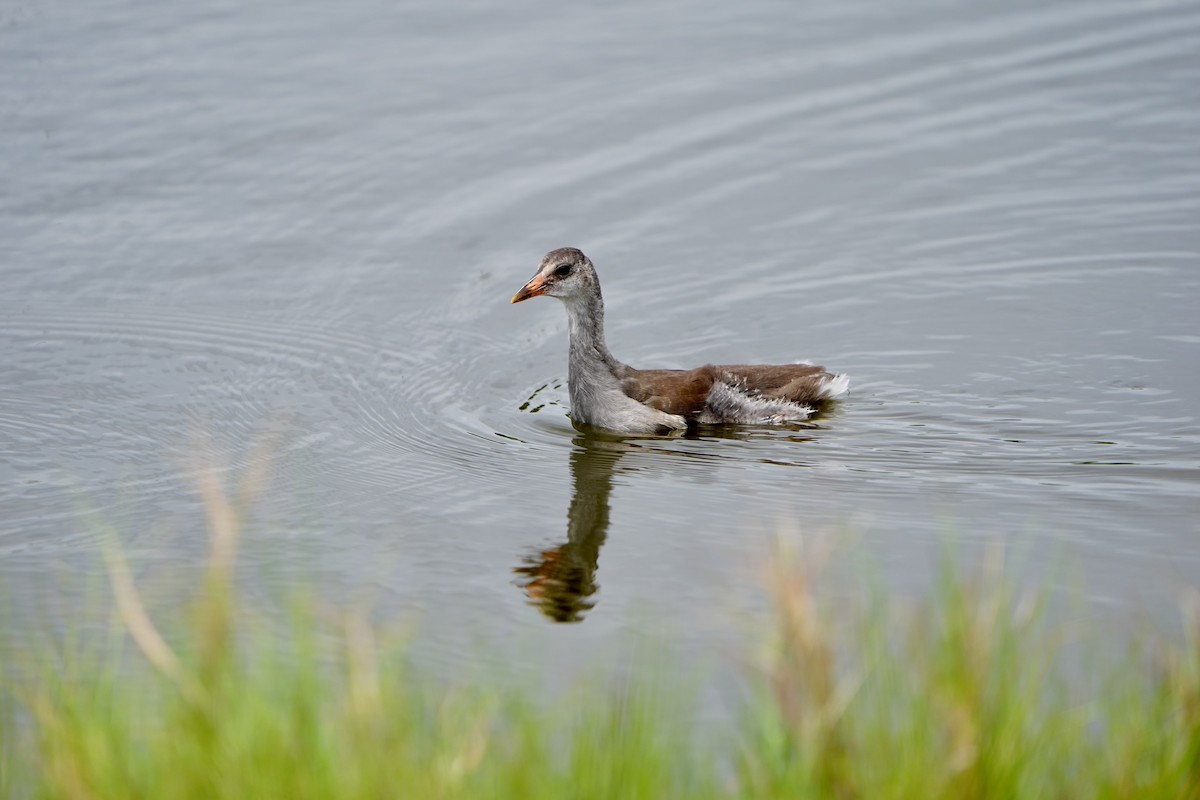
column 613, row 395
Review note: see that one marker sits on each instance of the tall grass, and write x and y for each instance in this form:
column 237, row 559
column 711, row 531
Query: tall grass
column 966, row 694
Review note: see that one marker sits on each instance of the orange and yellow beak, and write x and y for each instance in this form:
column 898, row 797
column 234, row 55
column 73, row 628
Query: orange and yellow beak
column 535, row 287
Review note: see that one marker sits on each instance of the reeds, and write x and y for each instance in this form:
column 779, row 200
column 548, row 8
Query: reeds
column 969, row 693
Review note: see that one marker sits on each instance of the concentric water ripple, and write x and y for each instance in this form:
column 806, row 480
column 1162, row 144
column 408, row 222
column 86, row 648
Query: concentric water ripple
column 298, row 232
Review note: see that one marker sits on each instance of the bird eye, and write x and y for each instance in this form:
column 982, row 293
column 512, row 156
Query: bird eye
column 562, row 270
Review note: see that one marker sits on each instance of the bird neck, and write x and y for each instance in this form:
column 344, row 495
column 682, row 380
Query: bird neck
column 585, row 316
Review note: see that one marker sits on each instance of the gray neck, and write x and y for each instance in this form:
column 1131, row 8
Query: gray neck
column 589, row 354
column 598, row 395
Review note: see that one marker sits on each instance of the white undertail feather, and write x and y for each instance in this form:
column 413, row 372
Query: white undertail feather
column 835, row 386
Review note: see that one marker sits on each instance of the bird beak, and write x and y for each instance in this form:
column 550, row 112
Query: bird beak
column 535, row 287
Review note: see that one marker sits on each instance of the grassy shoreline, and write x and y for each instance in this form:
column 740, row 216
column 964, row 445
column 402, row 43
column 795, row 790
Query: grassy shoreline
column 964, row 694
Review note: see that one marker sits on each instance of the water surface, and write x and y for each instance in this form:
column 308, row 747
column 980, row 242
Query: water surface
column 301, row 224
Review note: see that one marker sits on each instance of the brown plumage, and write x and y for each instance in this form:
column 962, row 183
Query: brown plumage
column 613, row 395
column 685, row 391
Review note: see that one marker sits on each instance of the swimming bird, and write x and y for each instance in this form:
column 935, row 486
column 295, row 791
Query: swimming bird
column 609, row 394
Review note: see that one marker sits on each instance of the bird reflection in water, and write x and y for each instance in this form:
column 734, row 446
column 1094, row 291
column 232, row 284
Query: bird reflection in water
column 561, row 581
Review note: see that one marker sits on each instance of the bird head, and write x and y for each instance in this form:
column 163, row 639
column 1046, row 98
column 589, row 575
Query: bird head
column 565, row 273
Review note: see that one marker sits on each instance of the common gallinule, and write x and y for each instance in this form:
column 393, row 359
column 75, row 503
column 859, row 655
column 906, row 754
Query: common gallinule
column 609, row 394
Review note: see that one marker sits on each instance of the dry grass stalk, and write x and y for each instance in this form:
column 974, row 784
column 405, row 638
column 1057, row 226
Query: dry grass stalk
column 808, row 691
column 141, row 628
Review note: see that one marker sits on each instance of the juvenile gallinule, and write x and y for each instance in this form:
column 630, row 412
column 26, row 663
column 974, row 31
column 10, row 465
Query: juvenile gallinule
column 609, row 394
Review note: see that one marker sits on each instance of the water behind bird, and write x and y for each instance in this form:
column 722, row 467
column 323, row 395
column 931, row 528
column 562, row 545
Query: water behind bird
column 306, row 224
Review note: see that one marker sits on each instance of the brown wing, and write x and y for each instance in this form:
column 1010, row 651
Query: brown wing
column 675, row 391
column 684, row 391
column 798, row 383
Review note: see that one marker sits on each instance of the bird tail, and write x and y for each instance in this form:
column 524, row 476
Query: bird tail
column 834, row 386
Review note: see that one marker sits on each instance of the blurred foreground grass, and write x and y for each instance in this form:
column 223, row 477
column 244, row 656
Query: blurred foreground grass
column 966, row 694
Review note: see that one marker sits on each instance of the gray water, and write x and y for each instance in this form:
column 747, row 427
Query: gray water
column 229, row 229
